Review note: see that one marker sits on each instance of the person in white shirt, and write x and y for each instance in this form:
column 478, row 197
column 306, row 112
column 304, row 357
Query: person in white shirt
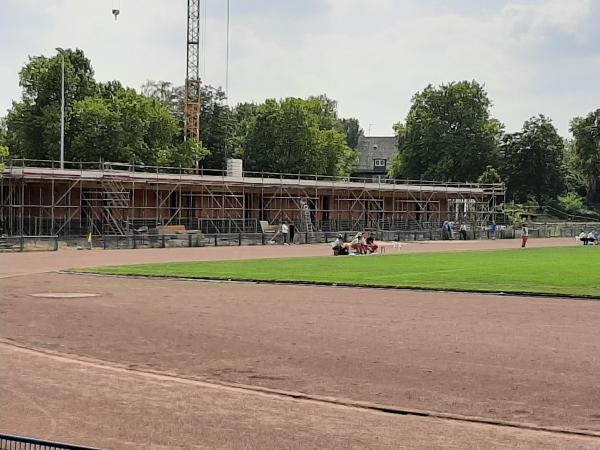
column 463, row 232
column 339, row 247
column 285, row 230
column 358, row 244
column 583, row 237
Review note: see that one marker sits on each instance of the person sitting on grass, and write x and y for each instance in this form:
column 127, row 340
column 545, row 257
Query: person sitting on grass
column 339, row 247
column 358, row 244
column 371, row 245
column 591, row 238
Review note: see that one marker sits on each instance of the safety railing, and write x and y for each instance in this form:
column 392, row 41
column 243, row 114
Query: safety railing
column 9, row 442
column 28, row 244
column 131, row 169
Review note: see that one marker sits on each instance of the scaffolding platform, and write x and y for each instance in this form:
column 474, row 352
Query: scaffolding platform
column 37, row 197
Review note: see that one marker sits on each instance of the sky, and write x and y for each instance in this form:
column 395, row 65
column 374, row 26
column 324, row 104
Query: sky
column 533, row 56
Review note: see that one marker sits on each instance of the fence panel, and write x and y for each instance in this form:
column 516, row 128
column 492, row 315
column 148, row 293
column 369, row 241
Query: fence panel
column 9, row 442
column 28, row 243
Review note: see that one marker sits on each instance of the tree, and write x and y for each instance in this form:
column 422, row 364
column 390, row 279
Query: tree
column 353, row 131
column 586, row 131
column 532, row 161
column 216, row 127
column 575, row 179
column 127, row 127
column 297, row 136
column 3, row 155
column 185, row 155
column 448, row 134
column 241, row 120
column 103, row 121
column 173, row 97
column 490, row 176
column 34, row 123
column 216, row 120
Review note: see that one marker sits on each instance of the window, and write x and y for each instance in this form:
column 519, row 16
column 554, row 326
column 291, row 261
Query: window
column 380, row 162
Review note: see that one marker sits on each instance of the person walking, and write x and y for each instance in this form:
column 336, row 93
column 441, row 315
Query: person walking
column 525, row 236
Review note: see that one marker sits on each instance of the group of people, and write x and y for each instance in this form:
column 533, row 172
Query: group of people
column 448, row 231
column 359, row 245
column 591, row 238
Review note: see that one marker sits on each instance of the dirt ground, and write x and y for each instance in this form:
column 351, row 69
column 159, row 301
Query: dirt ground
column 176, row 364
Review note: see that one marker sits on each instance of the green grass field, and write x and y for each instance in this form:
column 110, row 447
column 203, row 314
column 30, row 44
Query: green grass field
column 573, row 272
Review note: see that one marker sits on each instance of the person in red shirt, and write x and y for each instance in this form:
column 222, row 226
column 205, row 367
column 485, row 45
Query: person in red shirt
column 371, row 245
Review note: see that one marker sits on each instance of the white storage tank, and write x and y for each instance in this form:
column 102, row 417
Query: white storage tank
column 235, row 168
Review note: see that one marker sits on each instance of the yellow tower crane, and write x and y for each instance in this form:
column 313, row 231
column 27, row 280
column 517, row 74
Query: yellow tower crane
column 192, row 74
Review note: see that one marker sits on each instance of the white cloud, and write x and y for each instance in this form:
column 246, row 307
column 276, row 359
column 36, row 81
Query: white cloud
column 536, row 21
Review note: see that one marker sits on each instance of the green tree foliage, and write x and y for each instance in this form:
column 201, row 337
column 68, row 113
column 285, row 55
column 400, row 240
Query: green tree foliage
column 490, row 176
column 217, row 121
column 571, row 202
column 448, row 134
column 102, row 120
column 186, row 155
column 106, row 121
column 242, row 119
column 586, row 131
column 575, row 179
column 353, row 131
column 298, row 136
column 125, row 128
column 532, row 161
column 226, row 132
column 3, row 155
column 216, row 127
column 34, row 123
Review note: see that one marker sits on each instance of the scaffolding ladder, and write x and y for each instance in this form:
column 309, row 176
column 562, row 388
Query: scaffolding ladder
column 306, row 219
column 108, row 208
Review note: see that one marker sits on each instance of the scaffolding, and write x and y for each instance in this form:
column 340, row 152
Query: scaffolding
column 39, row 198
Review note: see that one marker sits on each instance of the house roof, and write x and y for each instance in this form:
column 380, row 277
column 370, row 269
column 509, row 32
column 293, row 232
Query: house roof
column 375, row 147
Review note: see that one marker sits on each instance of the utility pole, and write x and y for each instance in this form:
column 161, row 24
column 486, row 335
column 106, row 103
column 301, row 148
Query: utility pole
column 61, row 51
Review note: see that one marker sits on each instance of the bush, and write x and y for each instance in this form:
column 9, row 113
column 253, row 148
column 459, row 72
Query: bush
column 572, row 202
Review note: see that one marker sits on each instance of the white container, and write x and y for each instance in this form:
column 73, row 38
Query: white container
column 235, row 168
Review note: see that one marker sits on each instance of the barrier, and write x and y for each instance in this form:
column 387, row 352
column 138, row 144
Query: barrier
column 9, row 442
column 28, row 243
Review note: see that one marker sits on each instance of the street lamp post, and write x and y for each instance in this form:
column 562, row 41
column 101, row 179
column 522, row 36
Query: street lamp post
column 62, row 110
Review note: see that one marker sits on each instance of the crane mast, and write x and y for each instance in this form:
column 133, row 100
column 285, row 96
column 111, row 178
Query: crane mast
column 192, row 78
